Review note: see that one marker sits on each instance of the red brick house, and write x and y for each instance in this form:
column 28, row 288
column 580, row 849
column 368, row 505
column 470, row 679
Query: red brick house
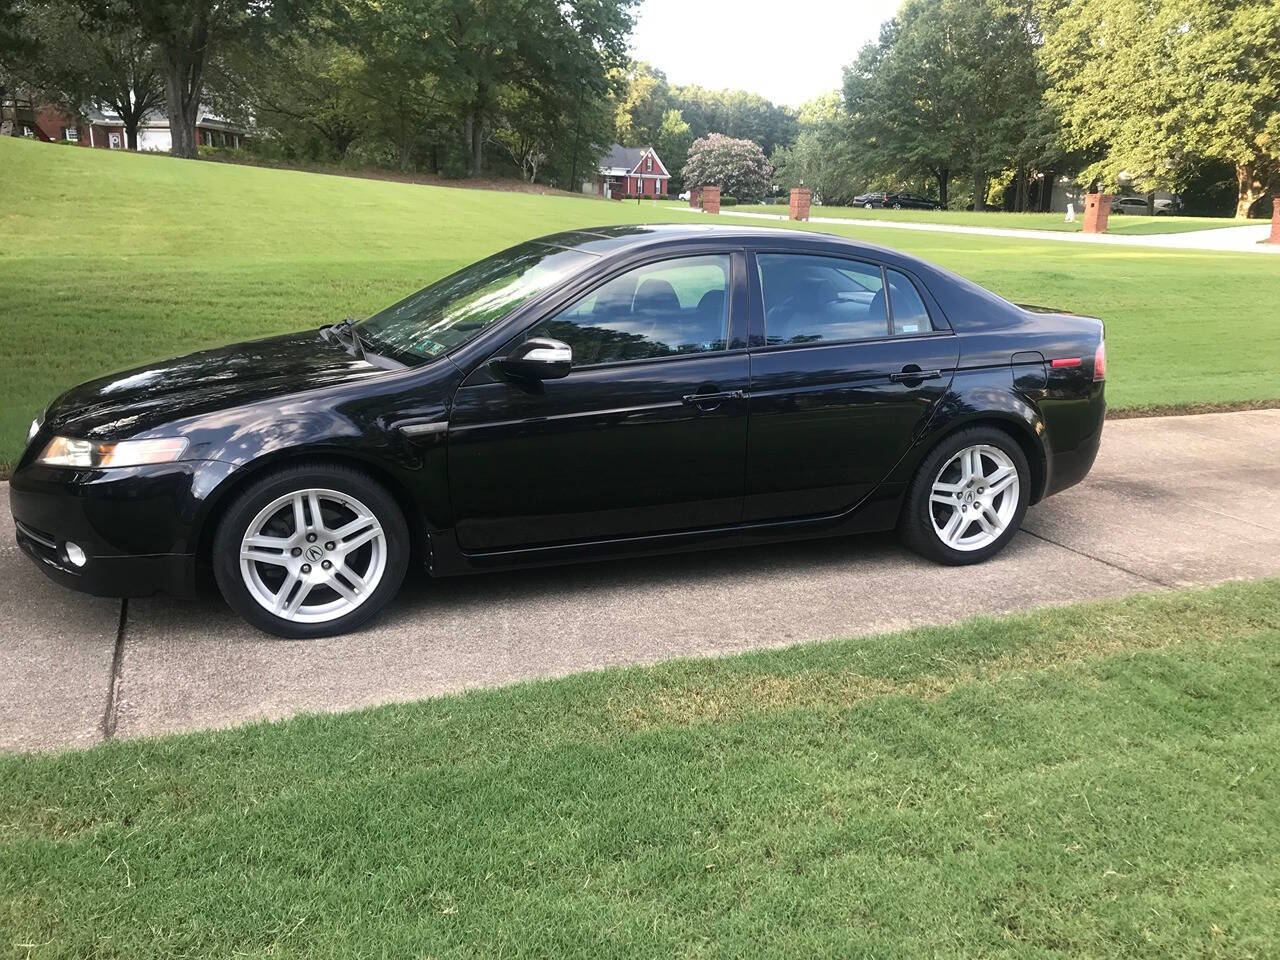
column 633, row 172
column 105, row 130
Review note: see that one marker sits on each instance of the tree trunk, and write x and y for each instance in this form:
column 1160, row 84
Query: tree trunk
column 182, row 86
column 130, row 132
column 944, row 180
column 1250, row 189
column 979, row 191
column 476, row 127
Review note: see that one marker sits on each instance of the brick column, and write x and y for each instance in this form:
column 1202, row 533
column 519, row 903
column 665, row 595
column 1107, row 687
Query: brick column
column 1275, row 219
column 1097, row 209
column 695, row 197
column 710, row 199
column 800, row 203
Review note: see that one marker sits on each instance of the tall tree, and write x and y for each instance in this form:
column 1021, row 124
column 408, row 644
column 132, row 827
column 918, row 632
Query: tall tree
column 86, row 62
column 821, row 157
column 950, row 86
column 1161, row 85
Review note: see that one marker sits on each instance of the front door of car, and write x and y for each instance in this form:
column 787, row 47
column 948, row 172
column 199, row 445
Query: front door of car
column 647, row 432
column 847, row 366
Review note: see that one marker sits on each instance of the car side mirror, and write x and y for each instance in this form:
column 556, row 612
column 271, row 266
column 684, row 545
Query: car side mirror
column 539, row 358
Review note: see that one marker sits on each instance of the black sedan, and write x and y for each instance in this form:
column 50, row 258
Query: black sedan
column 587, row 395
column 895, row 201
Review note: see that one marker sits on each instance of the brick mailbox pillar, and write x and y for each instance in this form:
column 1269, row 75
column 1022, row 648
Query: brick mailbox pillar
column 800, row 203
column 710, row 199
column 1275, row 219
column 1097, row 209
column 695, row 198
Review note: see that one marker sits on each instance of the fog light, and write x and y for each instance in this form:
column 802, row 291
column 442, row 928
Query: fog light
column 75, row 554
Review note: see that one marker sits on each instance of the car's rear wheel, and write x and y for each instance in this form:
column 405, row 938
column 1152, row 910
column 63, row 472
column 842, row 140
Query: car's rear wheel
column 968, row 497
column 869, row 205
column 311, row 551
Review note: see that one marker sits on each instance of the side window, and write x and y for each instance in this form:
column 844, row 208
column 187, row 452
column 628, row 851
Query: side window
column 813, row 299
column 909, row 314
column 658, row 310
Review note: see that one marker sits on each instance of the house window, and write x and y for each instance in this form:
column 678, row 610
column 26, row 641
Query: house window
column 71, row 134
column 648, row 164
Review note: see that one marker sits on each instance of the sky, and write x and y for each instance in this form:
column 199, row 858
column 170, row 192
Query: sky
column 789, row 52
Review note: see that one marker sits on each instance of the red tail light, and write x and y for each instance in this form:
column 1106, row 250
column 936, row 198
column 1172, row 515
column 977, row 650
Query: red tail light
column 1100, row 361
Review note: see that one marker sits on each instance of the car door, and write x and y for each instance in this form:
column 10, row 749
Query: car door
column 847, row 364
column 645, row 435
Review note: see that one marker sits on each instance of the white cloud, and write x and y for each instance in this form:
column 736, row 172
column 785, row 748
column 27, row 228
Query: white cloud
column 788, row 52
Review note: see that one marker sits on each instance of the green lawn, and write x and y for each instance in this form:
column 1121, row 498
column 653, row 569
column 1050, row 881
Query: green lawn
column 1118, row 223
column 109, row 259
column 1091, row 781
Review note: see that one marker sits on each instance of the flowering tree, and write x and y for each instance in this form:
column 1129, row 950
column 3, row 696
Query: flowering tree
column 738, row 167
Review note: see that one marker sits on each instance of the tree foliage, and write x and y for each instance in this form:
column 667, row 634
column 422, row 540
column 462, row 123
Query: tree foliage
column 950, row 87
column 822, row 157
column 738, row 167
column 1156, row 87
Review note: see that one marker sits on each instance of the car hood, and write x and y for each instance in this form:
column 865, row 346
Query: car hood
column 128, row 403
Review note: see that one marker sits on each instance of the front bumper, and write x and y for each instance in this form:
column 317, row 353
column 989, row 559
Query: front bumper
column 138, row 527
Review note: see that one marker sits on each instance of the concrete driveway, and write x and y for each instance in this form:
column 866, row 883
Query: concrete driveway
column 1172, row 501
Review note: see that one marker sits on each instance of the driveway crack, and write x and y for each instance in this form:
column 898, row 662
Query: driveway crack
column 1106, row 563
column 111, row 711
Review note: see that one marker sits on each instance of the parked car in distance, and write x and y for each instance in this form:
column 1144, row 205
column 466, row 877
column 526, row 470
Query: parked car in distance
column 1138, row 206
column 592, row 394
column 895, row 201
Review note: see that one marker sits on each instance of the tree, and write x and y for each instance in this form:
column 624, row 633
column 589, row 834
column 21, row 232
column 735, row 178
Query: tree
column 738, row 167
column 674, row 139
column 821, row 157
column 950, row 86
column 1162, row 85
column 75, row 62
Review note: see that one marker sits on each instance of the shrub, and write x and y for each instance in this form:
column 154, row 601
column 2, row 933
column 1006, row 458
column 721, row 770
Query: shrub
column 738, row 167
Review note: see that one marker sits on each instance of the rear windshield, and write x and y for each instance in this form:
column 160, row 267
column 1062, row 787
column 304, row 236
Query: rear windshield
column 451, row 311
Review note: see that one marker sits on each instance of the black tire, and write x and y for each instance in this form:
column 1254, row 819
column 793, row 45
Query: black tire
column 916, row 523
column 341, row 479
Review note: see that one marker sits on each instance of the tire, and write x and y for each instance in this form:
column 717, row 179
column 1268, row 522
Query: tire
column 925, row 522
column 869, row 205
column 897, row 206
column 352, row 575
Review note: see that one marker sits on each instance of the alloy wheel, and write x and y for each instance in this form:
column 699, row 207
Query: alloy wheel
column 974, row 497
column 313, row 555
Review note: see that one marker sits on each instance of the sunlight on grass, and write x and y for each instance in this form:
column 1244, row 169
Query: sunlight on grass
column 1097, row 780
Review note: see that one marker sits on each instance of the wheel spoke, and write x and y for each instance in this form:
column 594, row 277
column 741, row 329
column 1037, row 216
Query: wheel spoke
column 264, row 549
column 946, row 499
column 286, row 589
column 295, row 601
column 361, row 538
column 317, row 518
column 955, row 523
column 299, row 515
column 988, row 520
column 343, row 572
column 339, row 586
column 941, row 486
column 1001, row 480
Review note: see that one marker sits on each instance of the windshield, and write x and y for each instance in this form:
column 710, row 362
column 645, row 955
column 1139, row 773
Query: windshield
column 453, row 310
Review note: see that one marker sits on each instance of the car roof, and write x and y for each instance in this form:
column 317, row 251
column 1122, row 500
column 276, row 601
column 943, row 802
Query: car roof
column 613, row 240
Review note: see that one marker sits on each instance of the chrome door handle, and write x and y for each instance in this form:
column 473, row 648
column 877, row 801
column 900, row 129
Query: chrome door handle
column 697, row 398
column 915, row 375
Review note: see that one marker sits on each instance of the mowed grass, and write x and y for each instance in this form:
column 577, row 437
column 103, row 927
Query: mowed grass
column 108, row 260
column 1117, row 223
column 1090, row 781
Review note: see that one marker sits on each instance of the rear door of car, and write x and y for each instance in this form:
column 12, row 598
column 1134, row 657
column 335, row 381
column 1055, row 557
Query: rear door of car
column 647, row 433
column 848, row 360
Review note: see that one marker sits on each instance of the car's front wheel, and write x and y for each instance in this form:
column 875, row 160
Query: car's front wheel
column 311, row 551
column 968, row 497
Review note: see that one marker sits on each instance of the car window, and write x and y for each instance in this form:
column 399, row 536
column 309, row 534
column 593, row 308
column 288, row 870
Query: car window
column 658, row 310
column 909, row 314
column 813, row 299
column 453, row 310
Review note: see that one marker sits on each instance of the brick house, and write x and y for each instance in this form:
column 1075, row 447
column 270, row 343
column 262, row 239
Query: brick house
column 632, row 171
column 104, row 129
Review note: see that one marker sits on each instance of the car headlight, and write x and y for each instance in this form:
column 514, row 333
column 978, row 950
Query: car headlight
column 69, row 452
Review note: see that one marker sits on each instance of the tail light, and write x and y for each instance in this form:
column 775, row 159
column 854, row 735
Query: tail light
column 1100, row 361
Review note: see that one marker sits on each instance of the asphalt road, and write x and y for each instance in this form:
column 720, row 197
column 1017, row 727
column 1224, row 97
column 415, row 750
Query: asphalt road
column 1171, row 502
